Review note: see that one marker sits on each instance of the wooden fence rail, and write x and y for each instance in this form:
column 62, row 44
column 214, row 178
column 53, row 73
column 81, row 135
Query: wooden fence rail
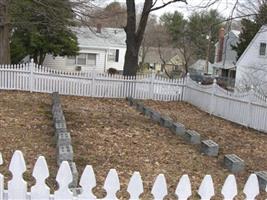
column 247, row 108
column 17, row 187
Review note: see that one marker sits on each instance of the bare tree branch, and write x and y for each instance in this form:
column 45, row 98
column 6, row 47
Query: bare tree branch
column 166, row 4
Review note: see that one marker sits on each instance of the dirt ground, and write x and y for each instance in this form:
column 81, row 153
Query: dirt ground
column 26, row 125
column 109, row 134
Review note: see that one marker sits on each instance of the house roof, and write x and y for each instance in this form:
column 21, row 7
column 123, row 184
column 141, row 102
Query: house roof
column 262, row 29
column 199, row 64
column 223, row 65
column 154, row 55
column 235, row 32
column 108, row 38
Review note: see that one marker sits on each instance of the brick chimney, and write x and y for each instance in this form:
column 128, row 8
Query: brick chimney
column 98, row 28
column 221, row 45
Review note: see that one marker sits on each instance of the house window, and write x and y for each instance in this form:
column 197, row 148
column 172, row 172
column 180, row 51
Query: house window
column 262, row 49
column 91, row 59
column 113, row 55
column 82, row 59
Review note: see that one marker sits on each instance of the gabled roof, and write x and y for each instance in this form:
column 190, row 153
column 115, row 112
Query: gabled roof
column 262, row 29
column 236, row 33
column 108, row 38
column 199, row 64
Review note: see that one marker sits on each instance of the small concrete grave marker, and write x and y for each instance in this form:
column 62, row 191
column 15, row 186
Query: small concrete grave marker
column 192, row 137
column 147, row 111
column 155, row 116
column 140, row 107
column 65, row 153
column 178, row 128
column 166, row 121
column 63, row 138
column 75, row 175
column 234, row 163
column 209, row 148
column 60, row 125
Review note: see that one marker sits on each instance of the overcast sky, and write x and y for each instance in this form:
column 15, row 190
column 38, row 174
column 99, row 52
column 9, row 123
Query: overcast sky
column 223, row 6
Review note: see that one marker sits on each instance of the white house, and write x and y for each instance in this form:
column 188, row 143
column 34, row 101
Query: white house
column 225, row 57
column 252, row 65
column 199, row 67
column 101, row 49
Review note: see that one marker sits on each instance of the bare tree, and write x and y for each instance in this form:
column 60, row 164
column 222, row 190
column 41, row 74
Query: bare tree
column 253, row 77
column 135, row 34
column 156, row 35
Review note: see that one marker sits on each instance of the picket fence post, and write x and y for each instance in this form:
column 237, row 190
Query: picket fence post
column 212, row 100
column 93, row 82
column 185, row 87
column 249, row 105
column 151, row 87
column 31, row 81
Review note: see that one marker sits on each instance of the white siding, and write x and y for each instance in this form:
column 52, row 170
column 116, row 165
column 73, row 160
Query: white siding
column 57, row 62
column 251, row 67
column 118, row 65
column 229, row 54
column 101, row 65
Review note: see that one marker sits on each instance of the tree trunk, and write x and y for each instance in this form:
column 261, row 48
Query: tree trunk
column 131, row 61
column 4, row 33
column 134, row 36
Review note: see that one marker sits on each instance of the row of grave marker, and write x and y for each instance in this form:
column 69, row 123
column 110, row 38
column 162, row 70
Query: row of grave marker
column 63, row 138
column 208, row 147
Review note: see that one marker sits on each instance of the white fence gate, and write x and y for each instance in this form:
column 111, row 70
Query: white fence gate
column 30, row 77
column 249, row 109
column 17, row 187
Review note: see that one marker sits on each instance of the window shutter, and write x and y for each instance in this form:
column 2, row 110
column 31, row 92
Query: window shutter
column 117, row 55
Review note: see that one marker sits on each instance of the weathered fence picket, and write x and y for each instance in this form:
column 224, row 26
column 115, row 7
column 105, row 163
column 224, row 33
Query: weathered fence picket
column 17, row 187
column 246, row 108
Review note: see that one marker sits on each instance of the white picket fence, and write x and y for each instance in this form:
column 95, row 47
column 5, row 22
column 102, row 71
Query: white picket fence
column 34, row 78
column 17, row 187
column 249, row 108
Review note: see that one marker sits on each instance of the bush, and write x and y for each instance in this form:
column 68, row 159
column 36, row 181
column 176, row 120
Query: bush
column 112, row 71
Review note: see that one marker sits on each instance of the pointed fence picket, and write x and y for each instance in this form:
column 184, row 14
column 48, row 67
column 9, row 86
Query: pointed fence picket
column 17, row 187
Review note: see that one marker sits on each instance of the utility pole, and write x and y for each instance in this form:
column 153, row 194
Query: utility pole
column 4, row 33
